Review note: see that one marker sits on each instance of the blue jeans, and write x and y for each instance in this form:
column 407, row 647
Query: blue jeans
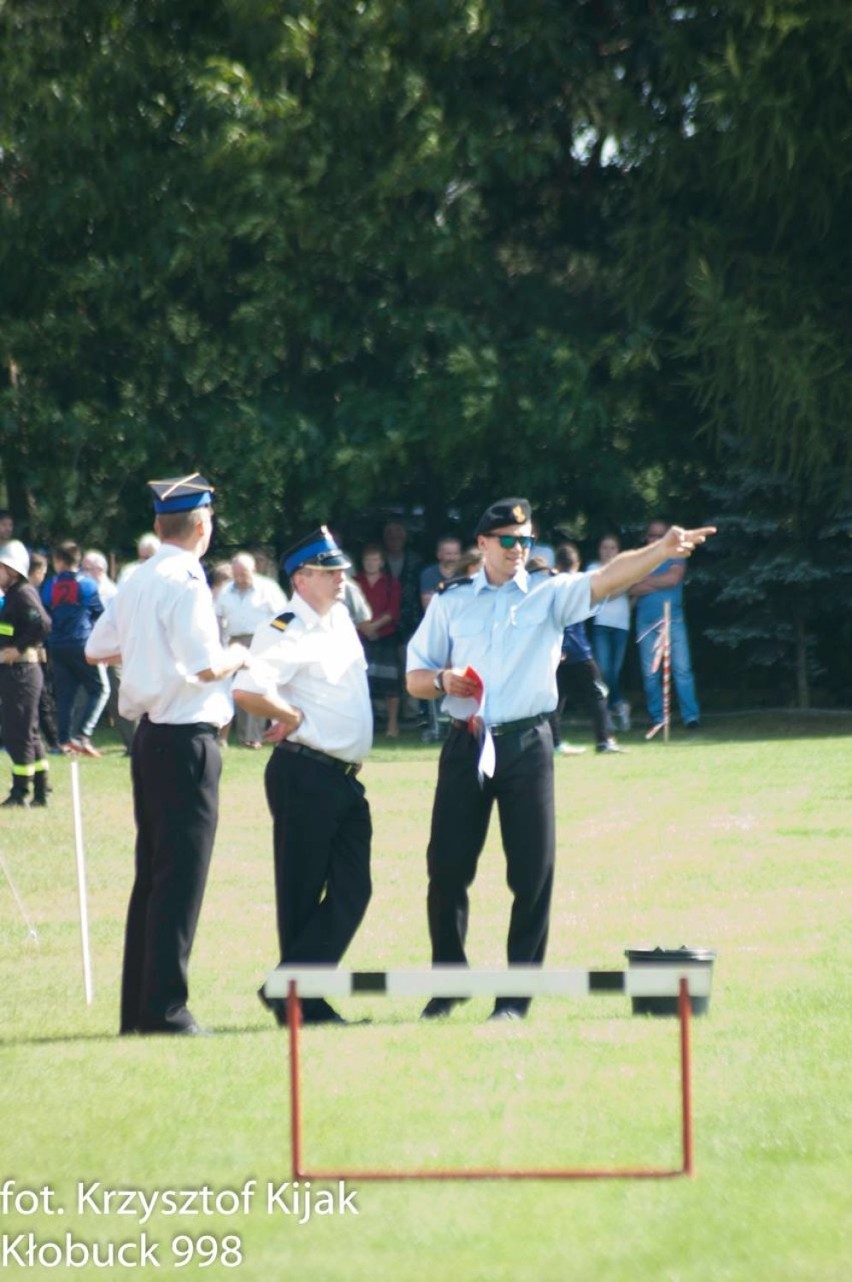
column 681, row 672
column 609, row 646
column 71, row 673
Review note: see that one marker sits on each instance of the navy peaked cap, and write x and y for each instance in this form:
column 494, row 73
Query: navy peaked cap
column 318, row 550
column 181, row 493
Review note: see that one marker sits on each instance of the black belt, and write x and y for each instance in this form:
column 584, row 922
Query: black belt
column 187, row 727
column 507, row 727
column 348, row 767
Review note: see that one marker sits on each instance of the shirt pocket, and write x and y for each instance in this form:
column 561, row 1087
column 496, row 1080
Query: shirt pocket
column 532, row 612
column 469, row 625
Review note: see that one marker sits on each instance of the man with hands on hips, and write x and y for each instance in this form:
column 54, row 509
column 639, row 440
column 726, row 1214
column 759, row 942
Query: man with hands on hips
column 309, row 676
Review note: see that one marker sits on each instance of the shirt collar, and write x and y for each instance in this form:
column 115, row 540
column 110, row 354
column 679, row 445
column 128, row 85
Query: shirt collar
column 170, row 549
column 480, row 582
column 308, row 614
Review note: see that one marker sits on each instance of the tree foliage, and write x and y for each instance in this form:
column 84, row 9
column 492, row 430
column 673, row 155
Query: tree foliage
column 341, row 253
column 737, row 248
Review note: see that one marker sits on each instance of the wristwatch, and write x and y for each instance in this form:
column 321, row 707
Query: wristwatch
column 438, row 680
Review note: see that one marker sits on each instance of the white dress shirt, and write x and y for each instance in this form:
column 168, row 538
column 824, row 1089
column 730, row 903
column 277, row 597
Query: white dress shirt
column 163, row 625
column 106, row 588
column 614, row 612
column 316, row 663
column 243, row 611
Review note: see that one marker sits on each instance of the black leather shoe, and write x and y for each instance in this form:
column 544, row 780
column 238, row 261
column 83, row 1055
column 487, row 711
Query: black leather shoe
column 175, row 1030
column 317, row 1011
column 439, row 1007
column 15, row 799
column 314, row 1010
column 275, row 1004
column 506, row 1013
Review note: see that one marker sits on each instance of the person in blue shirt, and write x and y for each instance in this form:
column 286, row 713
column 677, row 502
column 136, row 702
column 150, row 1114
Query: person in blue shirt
column 74, row 605
column 508, row 630
column 664, row 584
column 578, row 677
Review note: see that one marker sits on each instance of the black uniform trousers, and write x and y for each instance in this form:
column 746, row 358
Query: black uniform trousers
column 522, row 787
column 20, row 688
column 321, row 837
column 176, row 773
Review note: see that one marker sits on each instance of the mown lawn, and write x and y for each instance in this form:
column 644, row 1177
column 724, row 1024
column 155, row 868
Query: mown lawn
column 736, row 839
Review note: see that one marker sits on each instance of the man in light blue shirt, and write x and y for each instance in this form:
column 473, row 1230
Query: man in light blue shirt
column 509, row 630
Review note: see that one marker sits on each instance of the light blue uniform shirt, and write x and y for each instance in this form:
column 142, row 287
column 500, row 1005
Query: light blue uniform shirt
column 511, row 635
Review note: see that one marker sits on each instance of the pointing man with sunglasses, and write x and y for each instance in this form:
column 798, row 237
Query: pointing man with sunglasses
column 508, row 629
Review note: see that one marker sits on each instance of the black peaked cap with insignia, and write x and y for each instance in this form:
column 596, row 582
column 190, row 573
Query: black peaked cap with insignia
column 503, row 512
column 318, row 550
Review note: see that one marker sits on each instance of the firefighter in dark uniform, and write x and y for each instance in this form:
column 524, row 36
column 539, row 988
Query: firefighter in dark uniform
column 507, row 627
column 24, row 624
column 162, row 627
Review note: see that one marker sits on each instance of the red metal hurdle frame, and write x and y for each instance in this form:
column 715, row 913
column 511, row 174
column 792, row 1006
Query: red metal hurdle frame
column 687, row 1167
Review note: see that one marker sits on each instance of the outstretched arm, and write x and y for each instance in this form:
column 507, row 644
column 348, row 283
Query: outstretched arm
column 631, row 567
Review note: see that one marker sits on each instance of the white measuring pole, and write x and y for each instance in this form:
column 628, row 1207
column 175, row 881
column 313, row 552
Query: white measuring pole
column 81, row 880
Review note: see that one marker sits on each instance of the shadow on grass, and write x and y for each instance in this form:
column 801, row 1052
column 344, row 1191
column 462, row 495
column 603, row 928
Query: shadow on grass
column 67, row 1039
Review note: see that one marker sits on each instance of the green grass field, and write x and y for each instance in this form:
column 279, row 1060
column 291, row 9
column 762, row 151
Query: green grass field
column 737, row 839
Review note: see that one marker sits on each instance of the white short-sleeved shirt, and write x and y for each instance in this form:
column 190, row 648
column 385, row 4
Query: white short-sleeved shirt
column 614, row 612
column 511, row 635
column 243, row 611
column 316, row 663
column 163, row 625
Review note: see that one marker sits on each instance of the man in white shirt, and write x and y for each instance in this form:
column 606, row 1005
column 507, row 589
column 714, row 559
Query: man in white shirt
column 308, row 674
column 95, row 564
column 162, row 628
column 245, row 603
column 147, row 547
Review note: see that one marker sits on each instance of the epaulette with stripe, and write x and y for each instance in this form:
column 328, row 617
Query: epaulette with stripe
column 283, row 621
column 446, row 584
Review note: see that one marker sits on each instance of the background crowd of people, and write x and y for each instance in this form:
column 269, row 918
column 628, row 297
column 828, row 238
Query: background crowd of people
column 387, row 594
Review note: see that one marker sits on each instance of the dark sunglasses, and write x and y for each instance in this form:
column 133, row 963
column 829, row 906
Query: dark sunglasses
column 509, row 540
